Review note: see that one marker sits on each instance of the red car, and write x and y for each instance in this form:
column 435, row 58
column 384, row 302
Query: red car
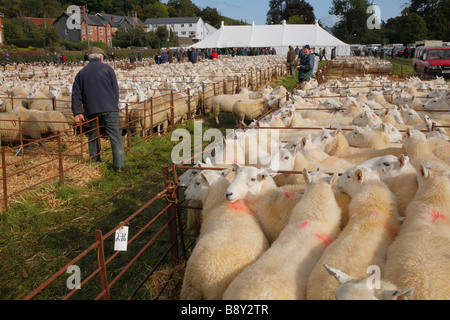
column 432, row 60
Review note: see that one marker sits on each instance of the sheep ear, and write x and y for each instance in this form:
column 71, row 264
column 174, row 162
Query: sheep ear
column 226, row 172
column 303, row 142
column 340, row 276
column 398, row 294
column 424, row 171
column 263, row 175
column 359, row 175
column 306, row 176
column 209, row 176
column 236, row 165
column 333, row 178
column 403, row 160
column 408, row 132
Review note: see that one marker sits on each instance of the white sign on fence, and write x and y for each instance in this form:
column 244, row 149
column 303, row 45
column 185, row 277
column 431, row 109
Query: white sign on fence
column 121, row 239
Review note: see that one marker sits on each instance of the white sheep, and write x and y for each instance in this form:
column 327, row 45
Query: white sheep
column 230, row 239
column 351, row 288
column 50, row 122
column 225, row 102
column 271, row 205
column 338, row 146
column 372, row 226
column 282, row 272
column 420, row 255
column 250, row 109
column 365, row 137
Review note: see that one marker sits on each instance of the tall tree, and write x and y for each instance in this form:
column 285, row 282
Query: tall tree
column 280, row 10
column 436, row 14
column 352, row 27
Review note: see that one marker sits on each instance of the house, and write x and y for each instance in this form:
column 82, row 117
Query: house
column 2, row 35
column 92, row 26
column 193, row 28
column 126, row 23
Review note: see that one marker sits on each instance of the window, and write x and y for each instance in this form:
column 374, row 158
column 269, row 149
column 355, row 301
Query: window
column 182, row 25
column 66, row 31
column 100, row 31
column 192, row 33
column 90, row 30
column 190, row 25
column 183, row 32
column 84, row 31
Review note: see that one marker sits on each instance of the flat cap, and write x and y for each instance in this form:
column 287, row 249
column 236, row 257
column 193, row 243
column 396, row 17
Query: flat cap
column 96, row 50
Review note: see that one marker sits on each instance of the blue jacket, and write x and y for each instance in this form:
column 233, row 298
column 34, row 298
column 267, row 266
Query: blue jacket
column 306, row 70
column 193, row 56
column 95, row 90
column 164, row 57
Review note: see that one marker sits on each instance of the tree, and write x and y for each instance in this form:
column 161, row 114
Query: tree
column 352, row 27
column 414, row 28
column 280, row 10
column 435, row 13
column 184, row 8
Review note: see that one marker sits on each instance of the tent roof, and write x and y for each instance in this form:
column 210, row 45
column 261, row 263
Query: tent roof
column 282, row 35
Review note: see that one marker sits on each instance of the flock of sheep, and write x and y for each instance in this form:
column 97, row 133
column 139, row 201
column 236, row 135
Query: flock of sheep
column 41, row 95
column 353, row 206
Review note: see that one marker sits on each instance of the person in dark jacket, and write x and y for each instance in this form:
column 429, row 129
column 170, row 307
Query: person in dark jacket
column 95, row 93
column 164, row 57
column 290, row 59
column 306, row 67
column 193, row 56
column 132, row 57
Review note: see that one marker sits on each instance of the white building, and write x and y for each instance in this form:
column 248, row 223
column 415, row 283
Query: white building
column 184, row 27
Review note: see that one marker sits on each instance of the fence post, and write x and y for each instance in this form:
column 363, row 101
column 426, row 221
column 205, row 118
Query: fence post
column 189, row 103
column 145, row 119
column 5, row 185
column 172, row 111
column 21, row 140
column 172, row 218
column 102, row 265
column 60, row 161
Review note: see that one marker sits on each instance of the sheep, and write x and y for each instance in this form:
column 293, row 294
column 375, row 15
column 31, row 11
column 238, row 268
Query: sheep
column 365, row 137
column 367, row 118
column 225, row 102
column 281, row 273
column 418, row 149
column 401, row 178
column 372, row 226
column 420, row 255
column 272, row 205
column 50, row 122
column 351, row 288
column 339, row 147
column 251, row 109
column 230, row 239
column 40, row 101
column 9, row 127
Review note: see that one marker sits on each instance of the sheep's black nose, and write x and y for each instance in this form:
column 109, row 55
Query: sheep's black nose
column 228, row 195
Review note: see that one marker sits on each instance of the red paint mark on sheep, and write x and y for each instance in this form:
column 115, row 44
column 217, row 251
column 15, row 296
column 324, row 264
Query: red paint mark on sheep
column 240, row 206
column 435, row 216
column 373, row 213
column 304, row 225
column 326, row 239
column 289, row 195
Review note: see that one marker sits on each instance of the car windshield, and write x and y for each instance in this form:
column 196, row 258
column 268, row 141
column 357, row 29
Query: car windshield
column 439, row 54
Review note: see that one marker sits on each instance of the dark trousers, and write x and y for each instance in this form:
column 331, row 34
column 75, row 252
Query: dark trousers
column 110, row 120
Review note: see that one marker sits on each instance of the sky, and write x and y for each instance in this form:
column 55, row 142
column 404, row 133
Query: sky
column 256, row 10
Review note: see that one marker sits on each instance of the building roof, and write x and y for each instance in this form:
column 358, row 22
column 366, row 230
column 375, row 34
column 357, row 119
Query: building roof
column 94, row 20
column 177, row 20
column 40, row 21
column 116, row 20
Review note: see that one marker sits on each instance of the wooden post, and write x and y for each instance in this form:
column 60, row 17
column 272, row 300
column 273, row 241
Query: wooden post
column 172, row 217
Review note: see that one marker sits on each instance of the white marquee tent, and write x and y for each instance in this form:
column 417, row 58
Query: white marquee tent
column 279, row 37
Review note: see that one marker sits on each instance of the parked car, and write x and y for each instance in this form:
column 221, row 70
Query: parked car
column 432, row 60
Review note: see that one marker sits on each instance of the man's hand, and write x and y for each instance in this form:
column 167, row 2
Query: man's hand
column 79, row 118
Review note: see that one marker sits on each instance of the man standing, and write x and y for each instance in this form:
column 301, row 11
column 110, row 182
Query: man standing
column 306, row 67
column 291, row 56
column 132, row 57
column 95, row 92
